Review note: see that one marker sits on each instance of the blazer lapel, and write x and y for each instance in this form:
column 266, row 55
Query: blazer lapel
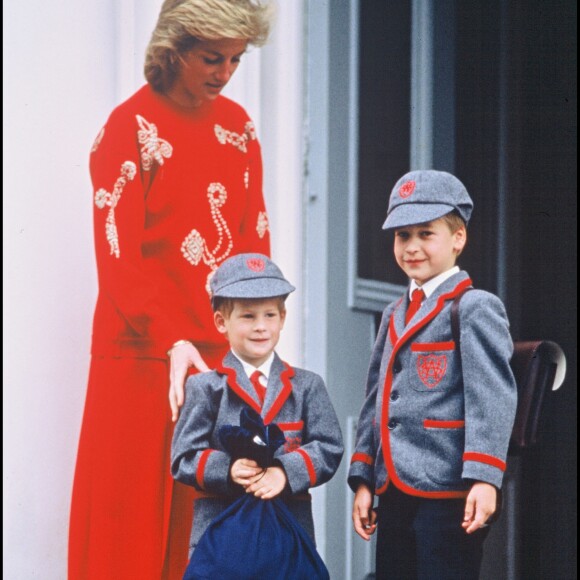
column 278, row 391
column 399, row 315
column 239, row 382
column 279, row 388
column 430, row 307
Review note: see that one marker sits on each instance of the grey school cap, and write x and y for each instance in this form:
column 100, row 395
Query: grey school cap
column 425, row 195
column 249, row 276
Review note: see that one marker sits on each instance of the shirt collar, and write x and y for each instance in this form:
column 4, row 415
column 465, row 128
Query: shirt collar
column 264, row 368
column 430, row 286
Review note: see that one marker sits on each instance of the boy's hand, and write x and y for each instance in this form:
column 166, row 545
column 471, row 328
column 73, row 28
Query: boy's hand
column 480, row 505
column 363, row 516
column 244, row 472
column 270, row 484
column 181, row 357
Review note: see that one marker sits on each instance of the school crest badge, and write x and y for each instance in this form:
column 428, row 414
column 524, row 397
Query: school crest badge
column 292, row 443
column 256, row 264
column 431, row 368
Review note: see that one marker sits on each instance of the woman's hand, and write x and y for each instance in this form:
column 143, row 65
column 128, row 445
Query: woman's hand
column 480, row 505
column 364, row 518
column 270, row 484
column 244, row 472
column 181, row 357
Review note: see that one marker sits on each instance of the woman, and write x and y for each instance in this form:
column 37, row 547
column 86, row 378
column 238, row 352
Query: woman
column 177, row 177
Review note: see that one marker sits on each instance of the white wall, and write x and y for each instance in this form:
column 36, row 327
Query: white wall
column 58, row 85
column 66, row 64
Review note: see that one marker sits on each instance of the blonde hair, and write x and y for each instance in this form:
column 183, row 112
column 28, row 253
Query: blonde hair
column 454, row 221
column 182, row 23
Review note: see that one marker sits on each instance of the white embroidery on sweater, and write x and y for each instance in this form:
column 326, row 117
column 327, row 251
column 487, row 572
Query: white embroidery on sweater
column 104, row 198
column 263, row 224
column 247, row 177
column 250, row 130
column 239, row 141
column 194, row 247
column 98, row 140
column 154, row 148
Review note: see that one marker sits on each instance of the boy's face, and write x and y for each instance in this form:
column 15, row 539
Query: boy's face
column 424, row 251
column 253, row 328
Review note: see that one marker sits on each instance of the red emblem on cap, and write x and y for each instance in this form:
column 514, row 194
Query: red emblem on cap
column 431, row 369
column 407, row 188
column 256, row 264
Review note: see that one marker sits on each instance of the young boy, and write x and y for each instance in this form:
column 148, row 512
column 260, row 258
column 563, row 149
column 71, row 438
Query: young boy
column 248, row 294
column 434, row 429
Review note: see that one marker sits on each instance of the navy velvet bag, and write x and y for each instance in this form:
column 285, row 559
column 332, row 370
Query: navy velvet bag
column 255, row 539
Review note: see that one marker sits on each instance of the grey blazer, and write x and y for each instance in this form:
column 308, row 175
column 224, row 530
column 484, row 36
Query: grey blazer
column 296, row 400
column 435, row 420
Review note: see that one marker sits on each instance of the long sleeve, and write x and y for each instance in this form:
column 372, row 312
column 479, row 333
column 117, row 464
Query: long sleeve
column 119, row 179
column 320, row 453
column 193, row 460
column 363, row 459
column 489, row 386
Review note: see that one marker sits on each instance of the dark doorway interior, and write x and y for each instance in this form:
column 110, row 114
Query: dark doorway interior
column 524, row 115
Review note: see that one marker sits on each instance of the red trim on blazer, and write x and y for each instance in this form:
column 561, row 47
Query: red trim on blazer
column 232, row 379
column 436, row 424
column 285, row 377
column 385, row 434
column 309, row 465
column 297, row 426
column 429, row 346
column 484, row 458
column 199, row 474
column 438, row 307
column 362, row 457
column 382, row 489
column 392, row 331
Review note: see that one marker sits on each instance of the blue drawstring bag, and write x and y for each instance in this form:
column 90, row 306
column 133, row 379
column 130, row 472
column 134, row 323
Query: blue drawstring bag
column 252, row 439
column 255, row 539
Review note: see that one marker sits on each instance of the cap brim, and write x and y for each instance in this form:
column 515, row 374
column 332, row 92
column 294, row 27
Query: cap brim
column 409, row 214
column 256, row 288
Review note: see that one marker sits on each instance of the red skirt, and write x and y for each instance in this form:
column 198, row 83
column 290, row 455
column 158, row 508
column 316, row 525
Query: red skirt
column 129, row 518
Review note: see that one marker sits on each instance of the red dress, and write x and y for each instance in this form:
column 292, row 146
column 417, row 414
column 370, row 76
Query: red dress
column 174, row 195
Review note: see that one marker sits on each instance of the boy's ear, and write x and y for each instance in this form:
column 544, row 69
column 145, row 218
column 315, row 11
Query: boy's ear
column 460, row 240
column 220, row 322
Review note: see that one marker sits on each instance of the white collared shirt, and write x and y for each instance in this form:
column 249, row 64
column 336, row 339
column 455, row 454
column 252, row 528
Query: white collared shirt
column 264, row 368
column 430, row 286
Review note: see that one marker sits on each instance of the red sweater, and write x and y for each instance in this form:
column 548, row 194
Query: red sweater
column 175, row 194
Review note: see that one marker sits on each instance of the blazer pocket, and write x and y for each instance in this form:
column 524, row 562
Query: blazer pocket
column 444, row 441
column 293, row 433
column 432, row 363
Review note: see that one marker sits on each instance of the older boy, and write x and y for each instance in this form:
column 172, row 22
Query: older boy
column 434, row 429
column 248, row 294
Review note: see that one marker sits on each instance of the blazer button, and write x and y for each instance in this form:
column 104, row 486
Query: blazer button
column 394, row 396
column 397, row 367
column 392, row 424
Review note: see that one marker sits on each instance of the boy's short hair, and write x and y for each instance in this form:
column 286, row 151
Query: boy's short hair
column 426, row 195
column 454, row 221
column 226, row 305
column 250, row 276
